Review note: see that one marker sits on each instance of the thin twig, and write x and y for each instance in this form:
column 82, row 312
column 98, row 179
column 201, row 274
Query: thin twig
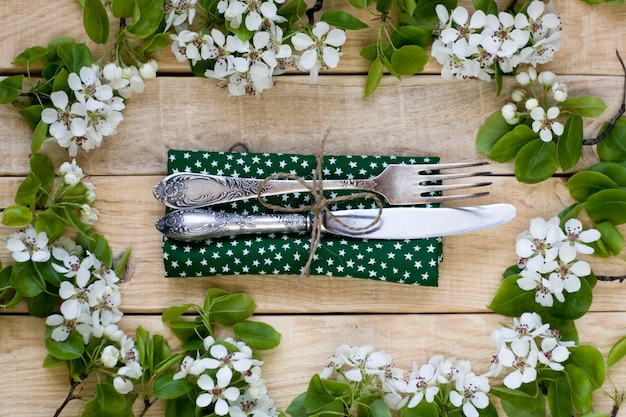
column 146, row 405
column 310, row 13
column 611, row 125
column 620, row 278
column 70, row 397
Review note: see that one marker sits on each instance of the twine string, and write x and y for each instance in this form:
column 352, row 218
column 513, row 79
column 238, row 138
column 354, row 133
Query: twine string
column 320, row 206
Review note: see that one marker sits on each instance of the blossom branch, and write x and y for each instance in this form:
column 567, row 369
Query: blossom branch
column 620, row 278
column 147, row 403
column 312, row 10
column 611, row 125
column 70, row 397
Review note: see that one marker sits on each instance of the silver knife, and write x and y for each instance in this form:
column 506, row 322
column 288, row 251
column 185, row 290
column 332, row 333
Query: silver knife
column 397, row 223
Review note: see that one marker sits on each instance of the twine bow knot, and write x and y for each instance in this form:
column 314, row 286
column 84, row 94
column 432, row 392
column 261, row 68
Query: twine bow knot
column 320, row 205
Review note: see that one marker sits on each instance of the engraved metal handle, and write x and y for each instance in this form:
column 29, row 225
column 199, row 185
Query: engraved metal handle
column 190, row 190
column 200, row 224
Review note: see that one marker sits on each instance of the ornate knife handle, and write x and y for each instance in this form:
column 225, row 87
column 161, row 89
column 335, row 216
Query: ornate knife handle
column 200, row 224
column 189, row 190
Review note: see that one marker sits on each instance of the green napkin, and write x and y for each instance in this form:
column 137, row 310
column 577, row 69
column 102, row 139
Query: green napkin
column 403, row 261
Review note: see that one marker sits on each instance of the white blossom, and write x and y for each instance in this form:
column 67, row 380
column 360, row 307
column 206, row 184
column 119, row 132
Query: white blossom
column 64, row 117
column 28, row 245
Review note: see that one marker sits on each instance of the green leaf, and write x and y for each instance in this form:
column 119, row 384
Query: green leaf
column 384, row 6
column 412, row 35
column 39, row 136
column 613, row 147
column 26, row 281
column 586, row 183
column 174, row 312
column 32, row 115
column 147, row 16
column 617, row 352
column 41, row 165
column 75, row 56
column 296, row 407
column 607, row 205
column 96, row 21
column 17, row 216
column 181, row 407
column 487, row 6
column 611, row 237
column 35, row 54
column 122, row 8
column 257, row 335
column 166, row 387
column 560, row 398
column 11, row 88
column 407, row 6
column 526, row 397
column 511, row 301
column 586, row 106
column 490, row 132
column 581, row 388
column 49, row 222
column 423, row 409
column 232, row 308
column 155, row 44
column 322, row 394
column 536, row 162
column 374, row 77
column 590, row 361
column 67, row 350
column 575, row 305
column 511, row 142
column 409, row 59
column 42, row 305
column 120, row 266
column 342, row 20
column 380, row 409
column 108, row 403
column 570, row 144
column 613, row 170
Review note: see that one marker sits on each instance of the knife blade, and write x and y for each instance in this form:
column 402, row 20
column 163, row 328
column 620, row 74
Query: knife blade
column 396, row 223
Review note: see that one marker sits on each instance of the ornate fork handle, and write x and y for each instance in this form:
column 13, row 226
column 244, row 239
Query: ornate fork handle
column 199, row 224
column 189, row 190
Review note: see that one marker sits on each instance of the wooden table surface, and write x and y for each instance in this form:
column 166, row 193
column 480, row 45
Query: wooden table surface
column 420, row 115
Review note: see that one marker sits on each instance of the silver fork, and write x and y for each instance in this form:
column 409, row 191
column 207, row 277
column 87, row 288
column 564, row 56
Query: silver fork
column 399, row 184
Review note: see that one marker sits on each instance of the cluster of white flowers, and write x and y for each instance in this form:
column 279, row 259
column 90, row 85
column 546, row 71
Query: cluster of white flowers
column 524, row 347
column 94, row 109
column 471, row 47
column 246, row 67
column 543, row 111
column 124, row 356
column 230, row 379
column 373, row 372
column 547, row 256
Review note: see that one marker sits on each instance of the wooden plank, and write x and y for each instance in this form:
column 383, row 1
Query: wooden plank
column 470, row 273
column 422, row 115
column 588, row 46
column 306, row 343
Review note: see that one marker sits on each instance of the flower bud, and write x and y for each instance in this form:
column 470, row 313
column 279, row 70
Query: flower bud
column 559, row 91
column 71, row 178
column 88, row 214
column 522, row 78
column 110, row 356
column 509, row 113
column 547, row 78
column 518, row 95
column 149, row 69
column 531, row 103
column 90, row 196
column 111, row 72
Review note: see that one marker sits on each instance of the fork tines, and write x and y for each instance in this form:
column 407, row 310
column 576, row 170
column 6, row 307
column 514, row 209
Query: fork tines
column 430, row 191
